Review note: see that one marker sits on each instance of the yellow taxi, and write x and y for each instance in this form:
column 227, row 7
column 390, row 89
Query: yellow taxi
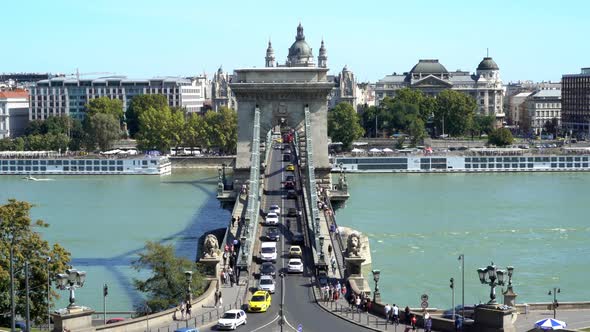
column 290, row 168
column 260, row 302
column 279, row 140
column 295, row 251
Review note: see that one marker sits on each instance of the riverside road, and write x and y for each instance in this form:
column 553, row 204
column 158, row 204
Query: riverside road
column 294, row 291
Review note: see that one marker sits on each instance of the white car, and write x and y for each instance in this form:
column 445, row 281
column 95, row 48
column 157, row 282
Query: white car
column 268, row 252
column 274, row 209
column 295, row 265
column 267, row 283
column 271, row 219
column 231, row 319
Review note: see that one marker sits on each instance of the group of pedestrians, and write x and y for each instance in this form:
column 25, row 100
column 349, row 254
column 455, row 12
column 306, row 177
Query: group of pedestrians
column 228, row 276
column 332, row 292
column 361, row 302
column 392, row 315
column 183, row 311
column 230, row 253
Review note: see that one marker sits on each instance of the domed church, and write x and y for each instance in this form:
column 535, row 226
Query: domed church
column 300, row 54
column 431, row 77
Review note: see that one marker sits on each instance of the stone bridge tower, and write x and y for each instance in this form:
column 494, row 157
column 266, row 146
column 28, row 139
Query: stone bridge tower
column 282, row 94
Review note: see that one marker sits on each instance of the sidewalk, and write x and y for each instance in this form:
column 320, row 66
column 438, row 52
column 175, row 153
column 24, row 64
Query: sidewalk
column 207, row 314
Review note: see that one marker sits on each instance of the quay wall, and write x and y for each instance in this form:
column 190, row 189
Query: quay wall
column 202, row 162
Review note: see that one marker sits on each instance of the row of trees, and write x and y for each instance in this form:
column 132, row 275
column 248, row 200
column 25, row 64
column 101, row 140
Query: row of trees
column 164, row 286
column 149, row 119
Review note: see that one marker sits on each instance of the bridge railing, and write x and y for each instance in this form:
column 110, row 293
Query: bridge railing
column 253, row 203
column 314, row 221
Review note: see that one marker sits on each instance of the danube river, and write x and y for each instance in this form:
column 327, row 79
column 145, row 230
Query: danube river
column 418, row 225
column 104, row 221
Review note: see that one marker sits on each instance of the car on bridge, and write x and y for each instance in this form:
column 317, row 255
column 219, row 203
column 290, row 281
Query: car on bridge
column 260, row 301
column 291, row 212
column 295, row 265
column 271, row 219
column 268, row 269
column 272, row 234
column 231, row 319
column 290, row 178
column 267, row 283
column 290, row 168
column 297, row 238
column 289, row 184
column 268, row 251
column 295, row 251
column 286, row 157
column 291, row 194
column 274, row 209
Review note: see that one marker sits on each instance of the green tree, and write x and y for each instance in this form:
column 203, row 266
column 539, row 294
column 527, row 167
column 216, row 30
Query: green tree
column 552, row 126
column 500, row 137
column 155, row 128
column 344, row 125
column 195, row 132
column 36, row 127
column 426, row 105
column 139, row 104
column 102, row 129
column 222, row 129
column 456, row 110
column 484, row 124
column 166, row 284
column 36, row 143
column 17, row 231
column 105, row 105
column 7, row 144
column 416, row 130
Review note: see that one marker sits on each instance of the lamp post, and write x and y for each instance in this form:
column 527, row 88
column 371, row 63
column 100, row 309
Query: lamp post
column 12, row 309
column 71, row 280
column 376, row 295
column 555, row 304
column 462, row 259
column 495, row 277
column 48, row 296
column 321, row 247
column 189, row 278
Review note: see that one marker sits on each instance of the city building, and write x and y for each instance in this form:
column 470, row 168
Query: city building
column 543, row 106
column 575, row 101
column 512, row 103
column 431, row 77
column 345, row 88
column 221, row 94
column 14, row 113
column 68, row 96
column 518, row 114
column 365, row 93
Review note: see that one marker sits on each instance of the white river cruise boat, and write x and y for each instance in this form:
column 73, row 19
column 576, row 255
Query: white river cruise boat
column 39, row 163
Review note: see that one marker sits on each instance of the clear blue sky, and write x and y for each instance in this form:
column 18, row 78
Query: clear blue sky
column 537, row 40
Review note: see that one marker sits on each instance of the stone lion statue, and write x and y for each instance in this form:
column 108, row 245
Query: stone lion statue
column 353, row 245
column 211, row 246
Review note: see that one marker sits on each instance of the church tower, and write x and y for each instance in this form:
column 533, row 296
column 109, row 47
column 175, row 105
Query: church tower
column 300, row 54
column 270, row 56
column 323, row 57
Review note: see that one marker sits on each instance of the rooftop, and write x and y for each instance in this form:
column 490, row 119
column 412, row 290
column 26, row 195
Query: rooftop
column 14, row 94
column 554, row 93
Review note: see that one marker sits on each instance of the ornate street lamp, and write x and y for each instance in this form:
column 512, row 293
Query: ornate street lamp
column 495, row 278
column 189, row 278
column 376, row 295
column 71, row 280
column 555, row 304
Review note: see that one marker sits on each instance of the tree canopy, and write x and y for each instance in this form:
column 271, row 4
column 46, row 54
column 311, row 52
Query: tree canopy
column 166, row 283
column 138, row 105
column 500, row 137
column 344, row 124
column 18, row 231
column 102, row 129
column 456, row 110
column 105, row 105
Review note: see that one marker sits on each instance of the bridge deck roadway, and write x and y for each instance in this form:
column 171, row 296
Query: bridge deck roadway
column 294, row 290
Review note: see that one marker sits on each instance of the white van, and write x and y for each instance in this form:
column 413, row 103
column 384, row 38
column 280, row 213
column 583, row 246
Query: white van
column 268, row 251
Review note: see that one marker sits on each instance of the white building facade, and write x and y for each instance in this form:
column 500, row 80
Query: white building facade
column 65, row 96
column 14, row 110
column 431, row 77
column 544, row 106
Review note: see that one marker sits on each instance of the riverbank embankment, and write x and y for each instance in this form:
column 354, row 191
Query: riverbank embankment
column 202, row 161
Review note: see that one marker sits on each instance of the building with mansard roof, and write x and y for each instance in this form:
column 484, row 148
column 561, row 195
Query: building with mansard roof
column 431, row 77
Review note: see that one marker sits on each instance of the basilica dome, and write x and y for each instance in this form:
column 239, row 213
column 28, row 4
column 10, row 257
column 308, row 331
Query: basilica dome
column 300, row 48
column 488, row 64
column 429, row 67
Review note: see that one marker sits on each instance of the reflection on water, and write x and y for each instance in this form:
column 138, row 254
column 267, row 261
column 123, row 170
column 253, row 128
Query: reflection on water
column 104, row 221
column 418, row 225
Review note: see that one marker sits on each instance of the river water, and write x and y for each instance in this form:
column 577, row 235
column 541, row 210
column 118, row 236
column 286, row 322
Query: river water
column 104, row 221
column 417, row 224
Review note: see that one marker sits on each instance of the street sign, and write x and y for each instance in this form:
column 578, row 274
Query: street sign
column 424, row 304
column 424, row 297
column 299, row 328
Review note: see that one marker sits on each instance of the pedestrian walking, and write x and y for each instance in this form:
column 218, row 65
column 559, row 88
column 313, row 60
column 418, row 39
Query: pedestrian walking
column 182, row 310
column 358, row 302
column 344, row 290
column 427, row 323
column 224, row 258
column 216, row 297
column 233, row 221
column 330, row 249
column 413, row 321
column 407, row 315
column 231, row 277
column 220, row 300
column 395, row 312
column 330, row 291
column 387, row 311
column 188, row 309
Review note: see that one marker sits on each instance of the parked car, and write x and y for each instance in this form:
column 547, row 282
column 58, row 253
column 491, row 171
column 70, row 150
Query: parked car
column 260, row 301
column 274, row 209
column 115, row 320
column 267, row 283
column 231, row 319
column 292, row 212
column 268, row 269
column 271, row 219
column 295, row 265
column 272, row 234
column 295, row 251
column 469, row 311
